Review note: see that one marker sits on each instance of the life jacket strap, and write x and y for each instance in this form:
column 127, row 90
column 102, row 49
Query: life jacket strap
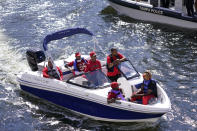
column 112, row 60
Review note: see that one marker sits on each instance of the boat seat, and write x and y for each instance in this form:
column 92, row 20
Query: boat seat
column 126, row 87
column 67, row 75
column 80, row 80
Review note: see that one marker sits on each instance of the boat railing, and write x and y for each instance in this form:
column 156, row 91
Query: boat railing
column 143, row 3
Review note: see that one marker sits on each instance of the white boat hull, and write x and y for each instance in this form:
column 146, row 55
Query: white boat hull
column 92, row 103
column 95, row 110
column 86, row 93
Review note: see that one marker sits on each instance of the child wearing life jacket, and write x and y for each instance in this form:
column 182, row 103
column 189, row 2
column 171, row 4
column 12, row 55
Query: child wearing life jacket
column 116, row 93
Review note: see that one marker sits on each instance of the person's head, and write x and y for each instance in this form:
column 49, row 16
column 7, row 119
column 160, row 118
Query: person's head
column 78, row 56
column 50, row 64
column 114, row 51
column 115, row 85
column 93, row 56
column 147, row 75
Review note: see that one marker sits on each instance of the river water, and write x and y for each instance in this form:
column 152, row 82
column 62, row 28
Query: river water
column 168, row 52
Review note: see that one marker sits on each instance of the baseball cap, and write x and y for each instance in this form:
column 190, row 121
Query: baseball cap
column 115, row 84
column 92, row 53
column 77, row 54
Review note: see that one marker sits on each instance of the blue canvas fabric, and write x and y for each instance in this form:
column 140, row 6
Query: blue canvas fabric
column 62, row 34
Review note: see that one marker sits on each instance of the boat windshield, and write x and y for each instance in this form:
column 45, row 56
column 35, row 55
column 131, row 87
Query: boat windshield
column 93, row 80
column 128, row 70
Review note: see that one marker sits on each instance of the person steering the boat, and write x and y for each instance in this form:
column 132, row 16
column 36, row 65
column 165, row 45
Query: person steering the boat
column 79, row 64
column 112, row 64
column 93, row 63
column 146, row 90
column 115, row 93
column 51, row 72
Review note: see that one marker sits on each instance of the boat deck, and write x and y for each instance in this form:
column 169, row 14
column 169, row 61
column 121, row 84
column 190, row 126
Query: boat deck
column 171, row 8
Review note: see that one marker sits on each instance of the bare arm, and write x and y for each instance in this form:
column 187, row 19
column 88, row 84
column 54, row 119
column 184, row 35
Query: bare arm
column 123, row 59
column 118, row 61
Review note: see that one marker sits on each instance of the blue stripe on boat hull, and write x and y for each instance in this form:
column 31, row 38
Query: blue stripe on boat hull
column 88, row 107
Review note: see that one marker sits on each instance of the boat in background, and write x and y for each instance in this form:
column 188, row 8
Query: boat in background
column 86, row 93
column 141, row 10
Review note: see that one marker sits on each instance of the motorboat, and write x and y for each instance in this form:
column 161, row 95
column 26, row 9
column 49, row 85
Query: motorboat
column 86, row 93
column 154, row 12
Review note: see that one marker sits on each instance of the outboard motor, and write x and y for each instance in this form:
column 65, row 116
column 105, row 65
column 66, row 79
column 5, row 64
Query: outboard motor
column 34, row 57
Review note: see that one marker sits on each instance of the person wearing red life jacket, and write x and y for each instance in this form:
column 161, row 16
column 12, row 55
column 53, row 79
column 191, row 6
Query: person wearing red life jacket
column 79, row 64
column 115, row 93
column 93, row 63
column 112, row 64
column 51, row 72
column 146, row 90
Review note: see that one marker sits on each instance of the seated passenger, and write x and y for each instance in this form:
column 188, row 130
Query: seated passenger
column 93, row 63
column 146, row 90
column 79, row 64
column 116, row 93
column 51, row 72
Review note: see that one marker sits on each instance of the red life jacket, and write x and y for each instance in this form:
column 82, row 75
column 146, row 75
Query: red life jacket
column 111, row 59
column 113, row 71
